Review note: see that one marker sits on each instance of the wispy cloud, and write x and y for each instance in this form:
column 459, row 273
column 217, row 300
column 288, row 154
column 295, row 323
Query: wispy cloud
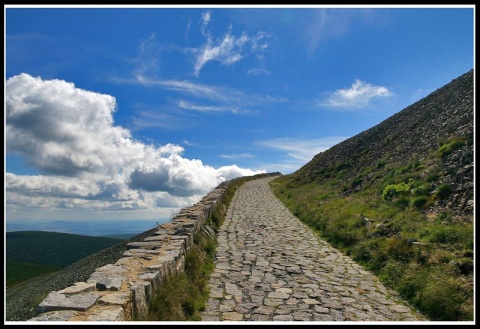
column 237, row 156
column 187, row 30
column 229, row 48
column 324, row 24
column 358, row 96
column 148, row 57
column 217, row 94
column 148, row 117
column 226, row 51
column 301, row 149
column 189, row 143
column 201, row 108
column 206, row 16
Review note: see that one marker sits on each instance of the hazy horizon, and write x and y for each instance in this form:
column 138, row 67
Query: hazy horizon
column 86, row 227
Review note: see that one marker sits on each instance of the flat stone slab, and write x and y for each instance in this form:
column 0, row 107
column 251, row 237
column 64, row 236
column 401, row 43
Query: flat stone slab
column 58, row 302
column 113, row 268
column 140, row 253
column 160, row 237
column 111, row 314
column 115, row 298
column 54, row 316
column 153, row 277
column 144, row 245
column 106, row 280
column 78, row 287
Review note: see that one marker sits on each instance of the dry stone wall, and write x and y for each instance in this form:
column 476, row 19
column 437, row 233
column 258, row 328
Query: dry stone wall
column 122, row 291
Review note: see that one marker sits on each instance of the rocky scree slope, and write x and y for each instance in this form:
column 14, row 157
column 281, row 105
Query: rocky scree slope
column 415, row 133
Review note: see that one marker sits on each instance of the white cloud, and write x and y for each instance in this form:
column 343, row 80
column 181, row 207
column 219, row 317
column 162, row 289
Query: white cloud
column 259, row 71
column 148, row 58
column 228, row 49
column 188, row 28
column 237, row 156
column 200, row 108
column 302, row 149
column 358, row 96
column 87, row 162
column 188, row 143
column 149, row 117
column 323, row 24
column 206, row 17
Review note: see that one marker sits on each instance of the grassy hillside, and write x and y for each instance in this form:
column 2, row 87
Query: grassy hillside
column 20, row 272
column 404, row 213
column 32, row 253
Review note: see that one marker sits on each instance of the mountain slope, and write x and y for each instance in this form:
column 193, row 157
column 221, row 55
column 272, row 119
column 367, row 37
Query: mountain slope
column 398, row 198
column 413, row 134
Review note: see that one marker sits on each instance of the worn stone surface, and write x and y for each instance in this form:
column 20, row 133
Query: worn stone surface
column 108, row 314
column 56, row 301
column 107, row 280
column 272, row 267
column 54, row 316
column 78, row 287
column 115, row 298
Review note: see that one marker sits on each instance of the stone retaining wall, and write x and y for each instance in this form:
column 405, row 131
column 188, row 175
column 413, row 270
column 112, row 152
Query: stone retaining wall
column 122, row 291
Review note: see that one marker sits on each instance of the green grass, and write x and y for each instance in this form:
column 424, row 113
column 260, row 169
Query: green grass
column 182, row 297
column 428, row 261
column 18, row 272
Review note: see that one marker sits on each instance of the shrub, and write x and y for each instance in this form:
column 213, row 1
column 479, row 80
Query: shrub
column 451, row 146
column 442, row 296
column 443, row 191
column 392, row 190
column 432, row 176
column 402, row 202
column 419, row 201
column 454, row 233
column 421, row 190
column 391, row 273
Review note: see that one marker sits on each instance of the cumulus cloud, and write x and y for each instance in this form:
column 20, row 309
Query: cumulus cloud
column 358, row 96
column 68, row 135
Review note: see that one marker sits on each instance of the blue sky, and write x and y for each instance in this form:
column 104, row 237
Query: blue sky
column 135, row 112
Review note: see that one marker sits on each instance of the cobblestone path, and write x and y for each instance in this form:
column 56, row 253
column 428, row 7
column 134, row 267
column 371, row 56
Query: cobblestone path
column 272, row 267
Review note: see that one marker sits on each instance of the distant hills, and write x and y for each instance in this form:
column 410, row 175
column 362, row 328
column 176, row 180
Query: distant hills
column 32, row 253
column 86, row 227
